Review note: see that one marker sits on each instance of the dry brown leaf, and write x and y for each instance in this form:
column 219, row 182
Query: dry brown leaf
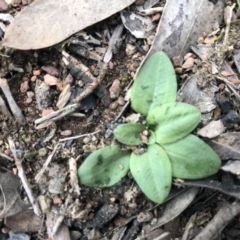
column 45, row 23
column 234, row 80
column 226, row 73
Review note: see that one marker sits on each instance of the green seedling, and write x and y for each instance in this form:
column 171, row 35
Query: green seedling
column 169, row 148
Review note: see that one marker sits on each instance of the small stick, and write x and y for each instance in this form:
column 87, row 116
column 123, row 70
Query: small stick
column 219, row 222
column 4, row 108
column 189, row 226
column 73, row 175
column 45, row 165
column 16, row 111
column 116, row 36
column 23, row 177
column 78, row 136
column 92, row 86
column 228, row 23
column 57, row 115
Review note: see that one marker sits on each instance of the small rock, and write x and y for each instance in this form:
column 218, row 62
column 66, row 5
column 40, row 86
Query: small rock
column 111, row 65
column 24, row 86
column 188, row 63
column 43, row 93
column 75, row 235
column 133, row 118
column 177, row 61
column 113, row 105
column 69, row 79
column 86, row 140
column 224, row 104
column 106, row 213
column 66, row 133
column 187, row 55
column 179, row 70
column 230, row 119
column 47, row 111
column 226, row 73
column 121, row 101
column 130, row 50
column 115, row 89
column 3, row 5
column 108, row 133
column 36, row 72
column 146, row 47
column 51, row 70
column 50, row 80
column 156, row 17
column 33, row 78
column 18, row 236
column 211, row 130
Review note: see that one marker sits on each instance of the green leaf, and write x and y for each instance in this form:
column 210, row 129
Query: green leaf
column 104, row 167
column 152, row 172
column 174, row 121
column 192, row 158
column 129, row 133
column 155, row 84
column 152, row 138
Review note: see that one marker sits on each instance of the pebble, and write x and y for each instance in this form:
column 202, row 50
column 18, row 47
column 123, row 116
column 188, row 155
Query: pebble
column 188, row 63
column 3, row 5
column 115, row 89
column 113, row 105
column 121, row 101
column 36, row 72
column 75, row 235
column 86, row 140
column 24, row 86
column 156, row 17
column 106, row 213
column 212, row 129
column 179, row 70
column 33, row 78
column 18, row 236
column 108, row 133
column 50, row 80
column 51, row 70
column 177, row 61
column 66, row 133
column 130, row 50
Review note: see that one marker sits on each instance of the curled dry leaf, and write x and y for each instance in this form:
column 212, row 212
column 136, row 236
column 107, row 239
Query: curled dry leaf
column 45, row 23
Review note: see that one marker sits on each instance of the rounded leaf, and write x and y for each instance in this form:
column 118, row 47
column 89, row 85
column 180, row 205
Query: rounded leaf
column 192, row 158
column 104, row 167
column 173, row 121
column 152, row 172
column 155, row 84
column 129, row 133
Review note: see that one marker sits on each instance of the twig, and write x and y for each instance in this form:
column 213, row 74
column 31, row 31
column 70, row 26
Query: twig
column 23, row 177
column 6, row 157
column 228, row 23
column 4, row 108
column 73, row 175
column 57, row 115
column 219, row 222
column 231, row 86
column 45, row 165
column 116, row 36
column 92, row 86
column 16, row 111
column 78, row 136
column 189, row 226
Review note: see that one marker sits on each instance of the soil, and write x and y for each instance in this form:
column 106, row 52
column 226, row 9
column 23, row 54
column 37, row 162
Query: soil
column 95, row 213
